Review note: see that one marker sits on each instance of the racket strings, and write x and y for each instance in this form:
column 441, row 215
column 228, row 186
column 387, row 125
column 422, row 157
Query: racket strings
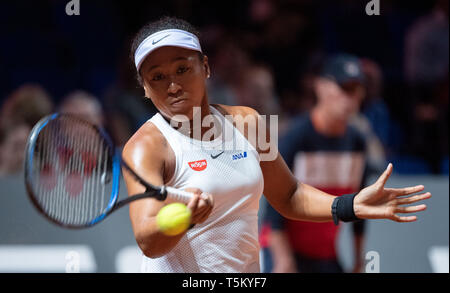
column 72, row 166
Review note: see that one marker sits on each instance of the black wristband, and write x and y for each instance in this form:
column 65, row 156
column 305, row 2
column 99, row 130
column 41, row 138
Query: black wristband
column 334, row 211
column 342, row 209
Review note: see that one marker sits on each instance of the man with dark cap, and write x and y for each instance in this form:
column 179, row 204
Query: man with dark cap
column 322, row 150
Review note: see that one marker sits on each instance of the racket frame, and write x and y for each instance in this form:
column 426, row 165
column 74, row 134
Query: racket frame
column 160, row 193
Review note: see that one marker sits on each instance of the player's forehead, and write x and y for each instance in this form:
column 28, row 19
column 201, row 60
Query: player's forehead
column 165, row 56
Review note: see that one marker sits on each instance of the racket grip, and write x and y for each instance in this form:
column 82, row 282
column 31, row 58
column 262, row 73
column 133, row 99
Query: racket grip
column 179, row 195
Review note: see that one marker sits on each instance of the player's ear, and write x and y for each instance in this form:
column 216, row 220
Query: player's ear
column 146, row 90
column 206, row 66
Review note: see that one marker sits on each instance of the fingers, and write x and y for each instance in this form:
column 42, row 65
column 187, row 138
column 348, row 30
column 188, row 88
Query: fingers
column 205, row 206
column 203, row 215
column 413, row 199
column 208, row 198
column 385, row 176
column 406, row 190
column 411, row 209
column 199, row 210
column 193, row 203
column 200, row 205
column 404, row 219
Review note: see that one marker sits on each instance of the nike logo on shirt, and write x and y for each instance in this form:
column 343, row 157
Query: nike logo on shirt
column 216, row 156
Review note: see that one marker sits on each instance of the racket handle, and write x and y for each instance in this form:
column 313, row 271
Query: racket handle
column 178, row 195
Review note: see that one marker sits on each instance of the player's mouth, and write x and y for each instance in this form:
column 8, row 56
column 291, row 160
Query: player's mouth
column 177, row 102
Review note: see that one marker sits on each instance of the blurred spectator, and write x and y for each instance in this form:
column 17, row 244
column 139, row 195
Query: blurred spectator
column 307, row 95
column 26, row 105
column 22, row 109
column 260, row 11
column 376, row 157
column 426, row 71
column 285, row 35
column 256, row 89
column 374, row 120
column 427, row 45
column 83, row 105
column 325, row 151
column 227, row 64
column 373, row 106
column 126, row 106
column 12, row 149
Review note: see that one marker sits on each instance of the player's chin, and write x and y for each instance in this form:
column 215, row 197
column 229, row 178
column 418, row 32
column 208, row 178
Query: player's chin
column 187, row 110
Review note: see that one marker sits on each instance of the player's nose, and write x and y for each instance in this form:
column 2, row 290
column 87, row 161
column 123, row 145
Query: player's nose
column 174, row 88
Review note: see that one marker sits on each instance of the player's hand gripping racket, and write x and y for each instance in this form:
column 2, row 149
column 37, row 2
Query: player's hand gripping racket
column 72, row 173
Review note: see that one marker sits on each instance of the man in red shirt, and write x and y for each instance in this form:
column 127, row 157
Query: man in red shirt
column 322, row 150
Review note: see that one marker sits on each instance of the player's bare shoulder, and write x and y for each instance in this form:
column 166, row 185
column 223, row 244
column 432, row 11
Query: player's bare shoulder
column 237, row 111
column 148, row 143
column 245, row 119
column 255, row 128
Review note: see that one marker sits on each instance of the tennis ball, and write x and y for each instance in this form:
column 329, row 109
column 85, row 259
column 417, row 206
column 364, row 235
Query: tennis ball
column 173, row 219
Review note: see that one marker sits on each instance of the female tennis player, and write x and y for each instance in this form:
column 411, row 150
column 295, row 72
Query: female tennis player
column 224, row 171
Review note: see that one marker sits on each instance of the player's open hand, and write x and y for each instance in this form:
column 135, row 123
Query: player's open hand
column 201, row 205
column 378, row 202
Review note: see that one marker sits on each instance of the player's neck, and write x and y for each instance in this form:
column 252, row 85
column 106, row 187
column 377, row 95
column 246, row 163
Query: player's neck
column 203, row 125
column 326, row 124
column 196, row 123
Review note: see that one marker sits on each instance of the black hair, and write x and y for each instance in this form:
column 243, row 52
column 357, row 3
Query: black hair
column 164, row 23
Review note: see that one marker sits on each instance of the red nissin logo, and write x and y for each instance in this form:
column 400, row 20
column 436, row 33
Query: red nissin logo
column 198, row 165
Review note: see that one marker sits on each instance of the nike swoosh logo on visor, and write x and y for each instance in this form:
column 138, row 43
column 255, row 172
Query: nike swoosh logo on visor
column 216, row 156
column 155, row 42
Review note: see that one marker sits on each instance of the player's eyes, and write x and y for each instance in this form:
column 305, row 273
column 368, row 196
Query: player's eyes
column 157, row 77
column 182, row 69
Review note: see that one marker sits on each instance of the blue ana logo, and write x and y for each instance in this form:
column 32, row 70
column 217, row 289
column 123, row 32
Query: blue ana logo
column 239, row 156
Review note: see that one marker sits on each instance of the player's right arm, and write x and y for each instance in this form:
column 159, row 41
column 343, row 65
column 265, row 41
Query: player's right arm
column 149, row 155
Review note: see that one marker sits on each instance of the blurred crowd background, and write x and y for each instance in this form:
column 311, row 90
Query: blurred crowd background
column 263, row 53
column 266, row 54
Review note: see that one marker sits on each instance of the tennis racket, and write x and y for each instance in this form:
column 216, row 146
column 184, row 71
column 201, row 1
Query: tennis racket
column 72, row 173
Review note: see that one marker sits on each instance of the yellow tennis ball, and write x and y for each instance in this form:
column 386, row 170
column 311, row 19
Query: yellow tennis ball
column 173, row 219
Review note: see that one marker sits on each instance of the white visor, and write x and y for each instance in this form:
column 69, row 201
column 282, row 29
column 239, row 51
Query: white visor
column 170, row 37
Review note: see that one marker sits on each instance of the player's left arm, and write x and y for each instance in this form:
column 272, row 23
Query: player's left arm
column 292, row 199
column 299, row 201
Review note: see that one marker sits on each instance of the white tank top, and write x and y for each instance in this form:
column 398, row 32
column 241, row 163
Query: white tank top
column 228, row 240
